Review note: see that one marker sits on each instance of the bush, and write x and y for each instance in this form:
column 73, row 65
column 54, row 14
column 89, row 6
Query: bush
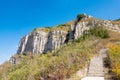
column 114, row 56
column 117, row 19
column 80, row 16
column 83, row 37
column 64, row 25
column 99, row 32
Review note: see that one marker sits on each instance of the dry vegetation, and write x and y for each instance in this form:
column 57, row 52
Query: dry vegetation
column 113, row 60
column 116, row 22
column 63, row 27
column 64, row 62
column 60, row 64
column 52, row 66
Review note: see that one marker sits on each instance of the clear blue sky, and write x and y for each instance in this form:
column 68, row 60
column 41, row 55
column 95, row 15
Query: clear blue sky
column 19, row 17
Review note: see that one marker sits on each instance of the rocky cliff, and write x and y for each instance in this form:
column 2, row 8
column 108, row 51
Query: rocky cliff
column 42, row 40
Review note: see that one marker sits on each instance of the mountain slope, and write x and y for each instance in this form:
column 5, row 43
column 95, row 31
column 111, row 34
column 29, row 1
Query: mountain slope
column 58, row 65
column 67, row 47
column 42, row 40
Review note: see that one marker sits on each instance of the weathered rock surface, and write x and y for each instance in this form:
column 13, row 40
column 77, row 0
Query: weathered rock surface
column 34, row 42
column 40, row 41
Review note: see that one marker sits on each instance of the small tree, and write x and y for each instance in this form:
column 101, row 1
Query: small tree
column 80, row 16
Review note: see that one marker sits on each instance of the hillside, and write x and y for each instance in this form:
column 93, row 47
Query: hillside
column 42, row 40
column 58, row 52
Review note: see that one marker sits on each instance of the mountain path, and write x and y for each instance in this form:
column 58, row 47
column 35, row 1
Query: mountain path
column 96, row 67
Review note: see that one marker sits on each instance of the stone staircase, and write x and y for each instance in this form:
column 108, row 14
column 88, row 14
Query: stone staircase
column 96, row 67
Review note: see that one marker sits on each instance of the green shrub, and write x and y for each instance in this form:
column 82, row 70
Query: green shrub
column 99, row 32
column 83, row 37
column 117, row 19
column 64, row 25
column 80, row 16
column 96, row 32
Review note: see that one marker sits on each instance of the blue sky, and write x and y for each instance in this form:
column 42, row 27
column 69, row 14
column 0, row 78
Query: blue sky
column 19, row 17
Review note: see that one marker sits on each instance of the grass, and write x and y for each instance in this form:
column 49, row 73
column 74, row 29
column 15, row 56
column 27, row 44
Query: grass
column 58, row 65
column 113, row 60
column 114, row 56
column 116, row 22
column 64, row 62
column 97, row 32
column 64, row 27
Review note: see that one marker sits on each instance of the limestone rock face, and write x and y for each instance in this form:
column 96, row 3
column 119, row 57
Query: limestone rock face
column 40, row 41
column 90, row 22
column 34, row 42
column 80, row 28
column 111, row 26
column 55, row 39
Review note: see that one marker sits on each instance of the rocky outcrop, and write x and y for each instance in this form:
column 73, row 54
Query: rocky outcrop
column 34, row 42
column 80, row 28
column 55, row 39
column 110, row 26
column 91, row 22
column 13, row 60
column 41, row 41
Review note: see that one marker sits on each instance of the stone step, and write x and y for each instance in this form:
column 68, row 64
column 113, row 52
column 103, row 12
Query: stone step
column 94, row 67
column 96, row 75
column 93, row 78
column 96, row 64
column 100, row 69
column 95, row 72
